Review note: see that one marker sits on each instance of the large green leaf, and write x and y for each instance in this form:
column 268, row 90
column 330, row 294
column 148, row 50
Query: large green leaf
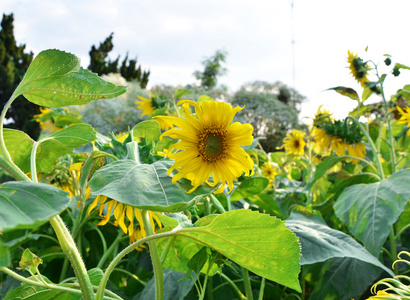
column 55, row 79
column 258, row 242
column 62, row 142
column 369, row 210
column 19, row 145
column 344, row 279
column 320, row 242
column 144, row 186
column 28, row 204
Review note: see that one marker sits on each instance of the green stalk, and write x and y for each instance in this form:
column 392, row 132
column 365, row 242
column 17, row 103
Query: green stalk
column 68, row 246
column 156, row 262
column 38, row 283
column 393, row 249
column 66, row 240
column 3, row 150
column 166, row 248
column 234, row 286
column 372, row 146
column 124, row 252
column 262, row 288
column 247, row 283
column 5, row 159
column 109, row 250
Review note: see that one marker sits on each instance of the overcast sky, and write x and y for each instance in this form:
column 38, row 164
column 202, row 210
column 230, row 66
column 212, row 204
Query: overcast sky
column 172, row 37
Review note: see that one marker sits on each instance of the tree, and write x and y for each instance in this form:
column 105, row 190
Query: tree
column 272, row 109
column 213, row 69
column 13, row 65
column 101, row 64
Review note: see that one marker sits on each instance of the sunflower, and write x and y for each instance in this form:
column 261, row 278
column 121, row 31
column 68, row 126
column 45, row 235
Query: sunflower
column 146, row 105
column 326, row 143
column 124, row 214
column 270, row 170
column 405, row 117
column 358, row 68
column 294, row 143
column 209, row 144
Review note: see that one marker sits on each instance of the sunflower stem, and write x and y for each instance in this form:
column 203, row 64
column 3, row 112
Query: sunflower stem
column 124, row 252
column 156, row 261
column 390, row 132
column 376, row 154
column 68, row 246
column 247, row 283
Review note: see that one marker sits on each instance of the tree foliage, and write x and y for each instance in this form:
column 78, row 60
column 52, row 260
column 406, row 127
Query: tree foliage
column 101, row 64
column 14, row 62
column 212, row 69
column 272, row 109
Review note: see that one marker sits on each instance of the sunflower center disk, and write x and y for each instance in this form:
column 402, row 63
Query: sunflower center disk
column 212, row 144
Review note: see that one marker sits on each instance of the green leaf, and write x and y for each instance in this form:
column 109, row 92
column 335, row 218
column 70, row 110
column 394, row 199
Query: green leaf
column 55, row 79
column 345, row 91
column 258, row 242
column 181, row 92
column 28, row 204
column 175, row 289
column 5, row 257
column 198, row 261
column 149, row 130
column 29, row 261
column 322, row 168
column 180, row 254
column 320, row 242
column 93, row 162
column 62, row 142
column 344, row 279
column 19, row 145
column 144, row 186
column 267, row 203
column 367, row 92
column 248, row 187
column 369, row 210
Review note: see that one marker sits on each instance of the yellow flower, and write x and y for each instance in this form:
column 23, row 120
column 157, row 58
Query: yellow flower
column 381, row 294
column 294, row 143
column 210, row 144
column 145, row 104
column 358, row 68
column 122, row 214
column 47, row 124
column 270, row 170
column 405, row 117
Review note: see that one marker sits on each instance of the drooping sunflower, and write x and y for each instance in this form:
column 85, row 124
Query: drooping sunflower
column 294, row 143
column 338, row 137
column 124, row 214
column 358, row 68
column 146, row 105
column 209, row 144
column 270, row 170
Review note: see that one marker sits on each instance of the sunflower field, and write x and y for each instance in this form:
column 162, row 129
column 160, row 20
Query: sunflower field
column 187, row 204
